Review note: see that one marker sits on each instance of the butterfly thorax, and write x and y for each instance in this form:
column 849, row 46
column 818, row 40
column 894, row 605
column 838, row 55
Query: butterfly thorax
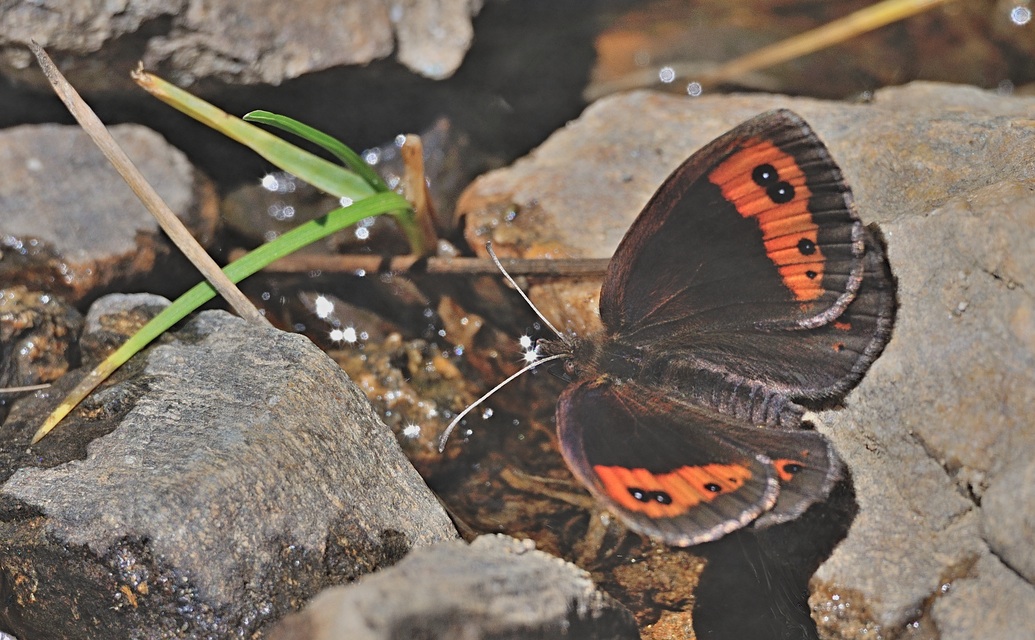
column 596, row 355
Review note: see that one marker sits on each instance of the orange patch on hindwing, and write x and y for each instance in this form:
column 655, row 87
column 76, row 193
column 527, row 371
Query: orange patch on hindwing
column 767, row 185
column 786, row 468
column 667, row 495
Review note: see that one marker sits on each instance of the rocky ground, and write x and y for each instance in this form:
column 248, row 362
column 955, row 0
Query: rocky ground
column 234, row 481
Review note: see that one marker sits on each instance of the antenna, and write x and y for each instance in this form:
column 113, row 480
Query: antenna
column 492, row 254
column 460, row 416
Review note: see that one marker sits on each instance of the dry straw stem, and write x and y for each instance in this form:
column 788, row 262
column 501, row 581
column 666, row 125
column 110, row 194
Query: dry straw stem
column 172, row 225
column 832, row 33
column 25, row 389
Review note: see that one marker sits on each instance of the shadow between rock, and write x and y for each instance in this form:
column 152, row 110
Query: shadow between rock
column 756, row 582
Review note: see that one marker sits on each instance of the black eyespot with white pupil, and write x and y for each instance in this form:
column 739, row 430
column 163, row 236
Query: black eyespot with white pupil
column 766, row 176
column 645, row 496
column 806, row 247
column 792, row 468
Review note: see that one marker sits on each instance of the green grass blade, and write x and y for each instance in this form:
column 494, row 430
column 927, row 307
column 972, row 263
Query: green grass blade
column 335, row 147
column 322, row 174
column 200, row 294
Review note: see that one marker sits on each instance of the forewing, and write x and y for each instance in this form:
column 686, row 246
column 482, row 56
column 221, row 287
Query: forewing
column 751, row 259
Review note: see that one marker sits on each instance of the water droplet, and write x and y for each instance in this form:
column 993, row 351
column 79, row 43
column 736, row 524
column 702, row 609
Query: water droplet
column 324, row 307
column 411, row 431
column 348, row 334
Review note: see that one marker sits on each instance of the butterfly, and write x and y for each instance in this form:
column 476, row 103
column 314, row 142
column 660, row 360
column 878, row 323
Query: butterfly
column 746, row 292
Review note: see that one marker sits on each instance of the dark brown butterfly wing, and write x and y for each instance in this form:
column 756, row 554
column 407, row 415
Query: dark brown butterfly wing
column 664, row 467
column 804, row 462
column 751, row 260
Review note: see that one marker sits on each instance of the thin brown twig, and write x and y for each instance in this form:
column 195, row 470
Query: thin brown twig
column 172, row 225
column 367, row 264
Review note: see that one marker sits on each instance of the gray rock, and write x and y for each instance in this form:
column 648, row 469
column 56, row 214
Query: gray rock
column 990, row 601
column 496, row 587
column 113, row 319
column 244, row 472
column 944, row 413
column 1008, row 516
column 242, row 42
column 69, row 223
column 944, row 417
column 434, row 35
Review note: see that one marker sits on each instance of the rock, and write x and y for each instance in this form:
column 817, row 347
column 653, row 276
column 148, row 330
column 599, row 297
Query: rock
column 940, row 428
column 38, row 334
column 236, row 42
column 71, row 226
column 1008, row 516
column 240, row 473
column 113, row 319
column 928, row 455
column 496, row 587
column 433, row 35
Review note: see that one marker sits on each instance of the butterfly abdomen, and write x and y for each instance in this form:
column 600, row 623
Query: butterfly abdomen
column 746, row 401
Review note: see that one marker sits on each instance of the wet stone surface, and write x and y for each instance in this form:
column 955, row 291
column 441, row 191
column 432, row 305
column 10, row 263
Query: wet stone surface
column 74, row 228
column 496, row 587
column 985, row 44
column 113, row 319
column 240, row 473
column 38, row 336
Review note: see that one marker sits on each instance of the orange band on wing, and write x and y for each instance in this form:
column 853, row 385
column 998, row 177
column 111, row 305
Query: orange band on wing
column 766, row 184
column 666, row 495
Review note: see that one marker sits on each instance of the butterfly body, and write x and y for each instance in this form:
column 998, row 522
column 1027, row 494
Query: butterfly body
column 746, row 291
